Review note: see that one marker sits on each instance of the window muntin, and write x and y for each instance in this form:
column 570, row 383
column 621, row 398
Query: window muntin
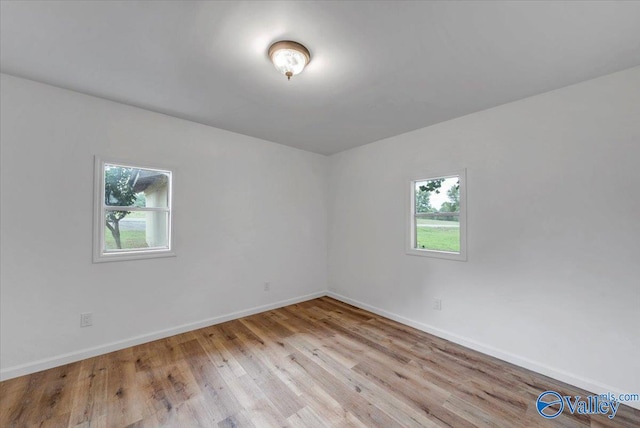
column 133, row 212
column 437, row 224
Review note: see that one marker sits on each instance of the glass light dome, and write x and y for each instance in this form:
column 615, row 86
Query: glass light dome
column 289, row 57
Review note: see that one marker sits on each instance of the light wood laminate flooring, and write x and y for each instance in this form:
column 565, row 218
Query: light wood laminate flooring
column 320, row 363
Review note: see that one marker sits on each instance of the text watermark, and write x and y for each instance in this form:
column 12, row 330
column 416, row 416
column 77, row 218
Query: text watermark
column 550, row 404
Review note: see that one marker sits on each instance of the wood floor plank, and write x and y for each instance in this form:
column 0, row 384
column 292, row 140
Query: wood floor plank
column 19, row 398
column 423, row 397
column 475, row 415
column 91, row 392
column 222, row 402
column 361, row 408
column 306, row 418
column 257, row 406
column 226, row 364
column 272, row 353
column 332, row 309
column 355, row 334
column 319, row 363
column 403, row 414
column 319, row 400
column 237, row 420
column 244, row 347
column 124, row 402
column 194, row 413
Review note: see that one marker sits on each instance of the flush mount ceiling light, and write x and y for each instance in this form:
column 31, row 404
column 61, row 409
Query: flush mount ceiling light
column 290, row 58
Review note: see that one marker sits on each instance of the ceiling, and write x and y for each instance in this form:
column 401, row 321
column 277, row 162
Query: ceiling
column 378, row 68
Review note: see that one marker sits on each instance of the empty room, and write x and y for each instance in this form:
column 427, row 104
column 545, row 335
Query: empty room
column 320, row 214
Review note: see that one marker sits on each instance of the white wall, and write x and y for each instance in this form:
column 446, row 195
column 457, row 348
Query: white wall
column 246, row 211
column 552, row 280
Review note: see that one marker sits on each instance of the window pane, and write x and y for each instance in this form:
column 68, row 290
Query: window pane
column 136, row 230
column 438, row 233
column 125, row 186
column 437, row 214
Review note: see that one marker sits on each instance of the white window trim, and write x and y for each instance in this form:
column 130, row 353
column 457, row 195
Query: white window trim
column 411, row 228
column 99, row 256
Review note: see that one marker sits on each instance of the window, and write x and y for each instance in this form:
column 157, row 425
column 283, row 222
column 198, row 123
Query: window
column 133, row 212
column 437, row 223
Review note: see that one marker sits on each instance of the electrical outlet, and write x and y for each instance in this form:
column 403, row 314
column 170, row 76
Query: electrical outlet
column 437, row 304
column 86, row 319
column 267, row 286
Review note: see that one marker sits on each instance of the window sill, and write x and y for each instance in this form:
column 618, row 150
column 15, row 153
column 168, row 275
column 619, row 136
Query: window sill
column 462, row 257
column 133, row 255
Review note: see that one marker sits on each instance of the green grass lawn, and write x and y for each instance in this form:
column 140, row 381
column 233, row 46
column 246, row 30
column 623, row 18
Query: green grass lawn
column 439, row 238
column 128, row 238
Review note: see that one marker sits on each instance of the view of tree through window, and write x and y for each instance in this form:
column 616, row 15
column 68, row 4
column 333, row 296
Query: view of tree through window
column 437, row 214
column 136, row 208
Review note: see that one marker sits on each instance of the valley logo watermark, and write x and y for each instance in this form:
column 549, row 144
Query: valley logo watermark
column 551, row 404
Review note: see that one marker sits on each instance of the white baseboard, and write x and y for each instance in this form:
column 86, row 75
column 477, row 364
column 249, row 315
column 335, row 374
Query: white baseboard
column 59, row 360
column 572, row 379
